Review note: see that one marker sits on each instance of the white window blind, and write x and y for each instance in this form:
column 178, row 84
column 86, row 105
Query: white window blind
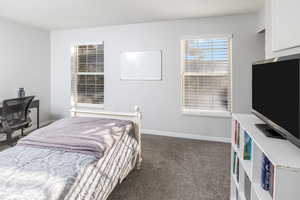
column 88, row 74
column 206, row 74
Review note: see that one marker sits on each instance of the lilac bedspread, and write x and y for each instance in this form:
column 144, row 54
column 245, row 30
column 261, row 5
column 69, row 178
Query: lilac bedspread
column 92, row 136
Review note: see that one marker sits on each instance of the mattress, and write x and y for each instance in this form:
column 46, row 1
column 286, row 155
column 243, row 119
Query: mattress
column 31, row 173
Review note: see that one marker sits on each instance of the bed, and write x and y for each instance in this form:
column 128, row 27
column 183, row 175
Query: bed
column 82, row 157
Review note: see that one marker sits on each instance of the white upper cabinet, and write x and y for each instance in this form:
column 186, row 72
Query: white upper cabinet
column 285, row 24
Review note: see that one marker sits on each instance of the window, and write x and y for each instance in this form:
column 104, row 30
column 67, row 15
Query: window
column 206, row 75
column 88, row 75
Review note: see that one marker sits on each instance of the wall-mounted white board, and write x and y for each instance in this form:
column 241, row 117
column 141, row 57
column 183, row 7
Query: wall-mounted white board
column 141, row 65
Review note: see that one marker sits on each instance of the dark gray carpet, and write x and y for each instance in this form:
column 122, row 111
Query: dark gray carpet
column 178, row 169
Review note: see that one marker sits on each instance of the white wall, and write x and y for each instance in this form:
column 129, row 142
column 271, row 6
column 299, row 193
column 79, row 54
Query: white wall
column 268, row 21
column 25, row 62
column 261, row 25
column 159, row 100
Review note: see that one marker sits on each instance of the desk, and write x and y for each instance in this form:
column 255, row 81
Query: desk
column 34, row 104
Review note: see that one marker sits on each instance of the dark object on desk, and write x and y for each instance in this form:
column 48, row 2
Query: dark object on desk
column 21, row 92
column 15, row 116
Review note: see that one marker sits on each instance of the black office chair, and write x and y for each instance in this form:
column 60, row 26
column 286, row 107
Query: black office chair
column 15, row 116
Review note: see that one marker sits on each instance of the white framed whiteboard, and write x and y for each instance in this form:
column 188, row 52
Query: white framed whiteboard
column 141, row 65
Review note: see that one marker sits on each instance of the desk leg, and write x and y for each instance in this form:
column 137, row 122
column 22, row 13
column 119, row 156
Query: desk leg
column 38, row 116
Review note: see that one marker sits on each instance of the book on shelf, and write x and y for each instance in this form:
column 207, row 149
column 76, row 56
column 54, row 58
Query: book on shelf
column 266, row 173
column 271, row 189
column 247, row 188
column 247, row 146
column 238, row 170
column 238, row 129
column 235, row 131
column 234, row 162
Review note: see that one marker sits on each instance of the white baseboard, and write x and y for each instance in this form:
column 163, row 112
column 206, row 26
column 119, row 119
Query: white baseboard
column 163, row 133
column 186, row 135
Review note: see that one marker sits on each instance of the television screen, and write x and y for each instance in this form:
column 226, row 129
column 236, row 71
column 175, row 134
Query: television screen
column 275, row 93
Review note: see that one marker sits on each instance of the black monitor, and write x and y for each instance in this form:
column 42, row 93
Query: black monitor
column 276, row 95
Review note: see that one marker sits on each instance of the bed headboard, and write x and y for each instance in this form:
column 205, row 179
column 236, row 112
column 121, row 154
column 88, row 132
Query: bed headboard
column 135, row 117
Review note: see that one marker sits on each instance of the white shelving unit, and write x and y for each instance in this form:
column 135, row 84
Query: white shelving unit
column 284, row 156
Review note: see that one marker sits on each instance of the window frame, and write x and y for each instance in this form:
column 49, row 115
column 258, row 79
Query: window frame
column 200, row 112
column 87, row 105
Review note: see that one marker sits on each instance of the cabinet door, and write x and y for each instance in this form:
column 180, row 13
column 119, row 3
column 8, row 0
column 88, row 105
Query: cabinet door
column 287, row 184
column 285, row 24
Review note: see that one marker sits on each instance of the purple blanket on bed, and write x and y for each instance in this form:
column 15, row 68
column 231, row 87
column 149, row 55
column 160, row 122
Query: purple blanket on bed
column 93, row 136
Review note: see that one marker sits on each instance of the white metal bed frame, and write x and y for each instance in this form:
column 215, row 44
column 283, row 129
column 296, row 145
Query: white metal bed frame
column 135, row 117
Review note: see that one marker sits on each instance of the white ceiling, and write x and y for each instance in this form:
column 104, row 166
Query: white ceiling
column 65, row 14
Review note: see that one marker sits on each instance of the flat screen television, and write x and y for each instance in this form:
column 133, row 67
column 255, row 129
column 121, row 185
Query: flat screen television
column 276, row 95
